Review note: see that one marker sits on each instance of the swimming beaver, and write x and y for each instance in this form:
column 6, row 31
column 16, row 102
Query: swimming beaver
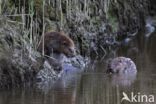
column 121, row 65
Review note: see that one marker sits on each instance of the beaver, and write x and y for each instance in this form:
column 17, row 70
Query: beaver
column 56, row 44
column 121, row 65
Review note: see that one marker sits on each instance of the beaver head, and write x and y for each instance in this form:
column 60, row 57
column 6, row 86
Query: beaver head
column 58, row 42
column 121, row 65
column 67, row 46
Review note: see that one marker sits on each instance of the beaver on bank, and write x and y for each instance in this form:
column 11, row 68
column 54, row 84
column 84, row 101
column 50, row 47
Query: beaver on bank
column 56, row 44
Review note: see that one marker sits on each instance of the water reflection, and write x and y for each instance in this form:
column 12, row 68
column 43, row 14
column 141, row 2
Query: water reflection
column 122, row 79
column 98, row 88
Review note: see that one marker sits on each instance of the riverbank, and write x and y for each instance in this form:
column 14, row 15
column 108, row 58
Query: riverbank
column 97, row 27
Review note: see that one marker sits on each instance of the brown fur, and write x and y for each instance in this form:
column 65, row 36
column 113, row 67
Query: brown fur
column 57, row 42
column 121, row 65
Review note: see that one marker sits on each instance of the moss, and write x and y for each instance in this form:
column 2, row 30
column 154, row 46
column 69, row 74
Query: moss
column 0, row 7
column 38, row 5
column 112, row 17
column 51, row 25
column 96, row 20
column 114, row 22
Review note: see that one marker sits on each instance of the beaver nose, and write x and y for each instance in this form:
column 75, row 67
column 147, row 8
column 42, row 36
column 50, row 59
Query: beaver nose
column 72, row 52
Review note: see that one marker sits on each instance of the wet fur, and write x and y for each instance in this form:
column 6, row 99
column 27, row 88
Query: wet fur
column 56, row 44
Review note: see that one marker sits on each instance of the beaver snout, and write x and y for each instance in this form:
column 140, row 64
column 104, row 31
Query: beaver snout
column 72, row 52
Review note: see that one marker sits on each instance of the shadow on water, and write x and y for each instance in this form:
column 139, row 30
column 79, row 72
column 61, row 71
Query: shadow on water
column 94, row 86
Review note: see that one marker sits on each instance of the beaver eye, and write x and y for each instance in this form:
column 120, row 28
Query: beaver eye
column 64, row 43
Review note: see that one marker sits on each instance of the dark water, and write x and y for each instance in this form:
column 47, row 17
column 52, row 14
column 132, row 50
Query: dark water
column 94, row 86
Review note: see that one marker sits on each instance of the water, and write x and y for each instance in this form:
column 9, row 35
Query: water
column 94, row 86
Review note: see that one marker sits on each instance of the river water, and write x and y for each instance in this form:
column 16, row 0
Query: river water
column 94, row 86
